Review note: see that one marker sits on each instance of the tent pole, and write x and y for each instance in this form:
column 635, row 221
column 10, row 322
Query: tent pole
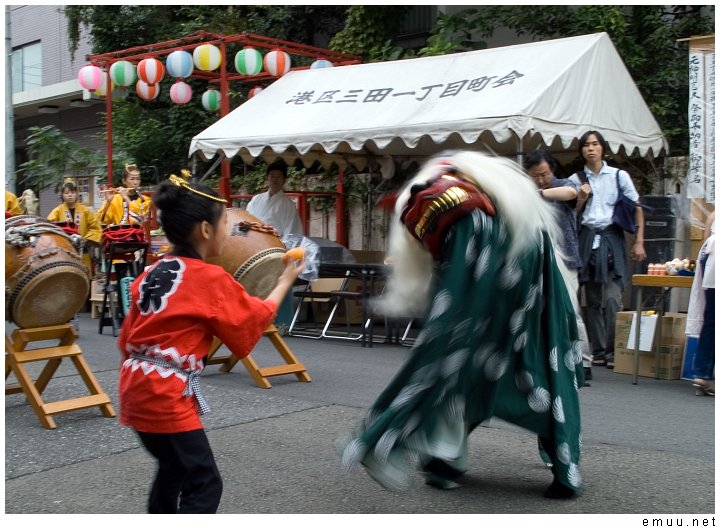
column 340, row 221
column 519, row 153
column 225, row 190
column 221, row 157
column 108, row 125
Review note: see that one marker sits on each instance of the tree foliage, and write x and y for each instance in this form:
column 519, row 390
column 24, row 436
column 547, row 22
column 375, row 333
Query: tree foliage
column 369, row 30
column 51, row 155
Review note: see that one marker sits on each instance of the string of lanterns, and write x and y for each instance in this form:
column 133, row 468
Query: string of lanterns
column 148, row 73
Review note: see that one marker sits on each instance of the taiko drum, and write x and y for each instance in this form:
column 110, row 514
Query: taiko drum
column 252, row 256
column 45, row 280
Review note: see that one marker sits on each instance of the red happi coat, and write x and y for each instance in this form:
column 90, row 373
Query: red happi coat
column 178, row 306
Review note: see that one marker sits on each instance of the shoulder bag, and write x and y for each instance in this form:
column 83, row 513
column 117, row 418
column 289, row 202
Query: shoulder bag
column 624, row 209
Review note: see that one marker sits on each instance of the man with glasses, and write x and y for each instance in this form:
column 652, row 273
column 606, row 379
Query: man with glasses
column 562, row 196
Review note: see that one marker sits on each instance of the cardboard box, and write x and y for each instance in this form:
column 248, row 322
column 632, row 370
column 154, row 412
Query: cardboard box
column 697, row 233
column 698, row 212
column 672, row 329
column 96, row 287
column 672, row 346
column 669, row 367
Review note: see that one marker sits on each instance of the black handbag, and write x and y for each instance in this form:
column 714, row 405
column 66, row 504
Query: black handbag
column 624, row 210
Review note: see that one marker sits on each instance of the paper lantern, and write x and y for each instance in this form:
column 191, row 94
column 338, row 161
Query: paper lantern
column 180, row 93
column 122, row 73
column 321, row 63
column 179, row 64
column 119, row 93
column 276, row 63
column 211, row 100
column 151, row 71
column 254, row 91
column 102, row 89
column 248, row 61
column 145, row 91
column 90, row 77
column 207, row 57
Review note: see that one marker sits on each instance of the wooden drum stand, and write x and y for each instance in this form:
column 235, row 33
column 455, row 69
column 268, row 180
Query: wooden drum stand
column 260, row 375
column 17, row 355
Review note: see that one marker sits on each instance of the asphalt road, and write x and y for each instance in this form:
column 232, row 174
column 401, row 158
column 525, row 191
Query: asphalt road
column 648, row 449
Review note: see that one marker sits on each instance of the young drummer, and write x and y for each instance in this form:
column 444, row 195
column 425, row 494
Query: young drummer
column 178, row 306
column 128, row 205
column 85, row 221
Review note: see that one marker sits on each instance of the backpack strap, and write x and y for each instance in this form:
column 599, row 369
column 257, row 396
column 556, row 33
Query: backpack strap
column 583, row 180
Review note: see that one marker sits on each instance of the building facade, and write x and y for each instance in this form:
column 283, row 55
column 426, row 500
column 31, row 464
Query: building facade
column 45, row 91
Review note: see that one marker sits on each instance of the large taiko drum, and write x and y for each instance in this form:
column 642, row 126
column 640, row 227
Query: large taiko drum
column 252, row 255
column 45, row 280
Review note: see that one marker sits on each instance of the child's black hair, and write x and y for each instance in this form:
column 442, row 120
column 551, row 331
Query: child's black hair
column 179, row 210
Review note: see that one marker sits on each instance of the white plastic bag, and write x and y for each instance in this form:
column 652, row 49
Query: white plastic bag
column 312, row 262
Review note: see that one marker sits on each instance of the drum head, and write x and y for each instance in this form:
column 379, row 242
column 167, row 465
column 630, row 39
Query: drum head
column 260, row 274
column 51, row 298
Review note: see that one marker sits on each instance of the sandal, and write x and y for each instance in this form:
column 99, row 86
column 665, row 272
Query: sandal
column 703, row 387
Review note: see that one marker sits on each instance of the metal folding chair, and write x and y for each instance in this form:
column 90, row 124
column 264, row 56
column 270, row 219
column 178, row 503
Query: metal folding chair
column 326, row 290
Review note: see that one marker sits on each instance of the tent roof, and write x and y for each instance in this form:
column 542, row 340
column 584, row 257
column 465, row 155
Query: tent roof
column 544, row 92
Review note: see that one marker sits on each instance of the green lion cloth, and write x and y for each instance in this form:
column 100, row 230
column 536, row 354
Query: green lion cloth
column 499, row 340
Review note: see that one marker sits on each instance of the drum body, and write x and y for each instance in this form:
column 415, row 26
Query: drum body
column 252, row 257
column 45, row 280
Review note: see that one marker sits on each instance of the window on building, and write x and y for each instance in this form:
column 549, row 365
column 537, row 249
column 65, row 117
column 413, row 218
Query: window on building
column 27, row 67
column 418, row 21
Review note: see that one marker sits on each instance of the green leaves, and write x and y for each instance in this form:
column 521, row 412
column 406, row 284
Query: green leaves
column 52, row 154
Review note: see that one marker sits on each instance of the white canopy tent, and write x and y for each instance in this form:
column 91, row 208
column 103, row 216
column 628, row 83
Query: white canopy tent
column 504, row 100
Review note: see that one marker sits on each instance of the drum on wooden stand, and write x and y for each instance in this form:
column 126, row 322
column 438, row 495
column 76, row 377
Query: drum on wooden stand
column 252, row 253
column 45, row 280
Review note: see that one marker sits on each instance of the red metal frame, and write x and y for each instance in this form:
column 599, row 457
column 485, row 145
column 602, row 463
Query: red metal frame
column 223, row 78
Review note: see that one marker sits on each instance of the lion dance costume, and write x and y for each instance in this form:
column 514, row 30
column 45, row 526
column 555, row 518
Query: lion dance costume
column 472, row 245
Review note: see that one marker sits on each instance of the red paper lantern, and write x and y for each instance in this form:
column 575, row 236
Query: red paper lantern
column 151, row 71
column 276, row 63
column 254, row 91
column 147, row 92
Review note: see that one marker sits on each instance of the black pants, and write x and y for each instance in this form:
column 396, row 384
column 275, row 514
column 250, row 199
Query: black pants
column 187, row 479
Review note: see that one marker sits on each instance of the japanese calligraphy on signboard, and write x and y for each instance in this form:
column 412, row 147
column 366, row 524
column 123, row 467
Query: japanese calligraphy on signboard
column 701, row 125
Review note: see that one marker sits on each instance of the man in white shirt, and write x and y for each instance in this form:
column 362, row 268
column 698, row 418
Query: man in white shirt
column 273, row 206
column 603, row 272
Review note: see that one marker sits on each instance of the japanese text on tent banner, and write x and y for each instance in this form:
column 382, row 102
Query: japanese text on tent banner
column 377, row 95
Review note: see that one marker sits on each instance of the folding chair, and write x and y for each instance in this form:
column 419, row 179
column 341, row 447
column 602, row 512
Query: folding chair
column 328, row 290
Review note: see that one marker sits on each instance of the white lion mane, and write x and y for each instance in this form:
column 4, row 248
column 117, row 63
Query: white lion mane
column 516, row 199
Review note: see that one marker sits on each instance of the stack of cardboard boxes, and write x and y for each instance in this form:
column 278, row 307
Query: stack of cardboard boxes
column 672, row 345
